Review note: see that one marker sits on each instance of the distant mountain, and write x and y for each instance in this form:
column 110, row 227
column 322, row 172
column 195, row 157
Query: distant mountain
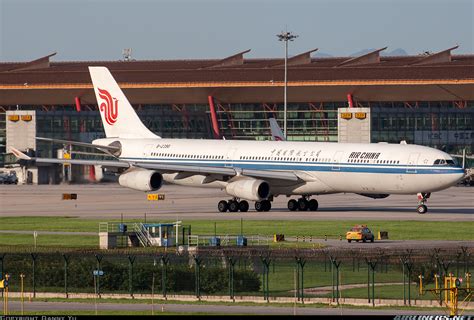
column 396, row 52
column 361, row 52
column 322, row 55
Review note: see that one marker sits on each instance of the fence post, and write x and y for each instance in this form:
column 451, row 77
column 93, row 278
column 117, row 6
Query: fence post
column 197, row 264
column 371, row 266
column 300, row 262
column 465, row 258
column 231, row 263
column 266, row 268
column 131, row 261
column 336, row 264
column 99, row 260
column 66, row 264
column 404, row 284
column 164, row 273
column 408, row 267
column 2, row 259
column 34, row 256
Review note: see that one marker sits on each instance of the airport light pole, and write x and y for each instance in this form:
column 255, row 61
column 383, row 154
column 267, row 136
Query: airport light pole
column 285, row 36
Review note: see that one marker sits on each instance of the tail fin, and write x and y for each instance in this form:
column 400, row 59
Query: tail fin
column 118, row 116
column 277, row 134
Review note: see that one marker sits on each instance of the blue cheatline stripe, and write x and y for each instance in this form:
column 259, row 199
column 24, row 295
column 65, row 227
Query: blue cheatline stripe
column 304, row 166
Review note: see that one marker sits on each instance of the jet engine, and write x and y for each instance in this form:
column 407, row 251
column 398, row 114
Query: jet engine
column 143, row 180
column 249, row 189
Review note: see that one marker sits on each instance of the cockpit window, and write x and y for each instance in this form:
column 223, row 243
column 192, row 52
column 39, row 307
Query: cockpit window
column 443, row 162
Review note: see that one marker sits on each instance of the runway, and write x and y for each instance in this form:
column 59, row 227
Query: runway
column 107, row 201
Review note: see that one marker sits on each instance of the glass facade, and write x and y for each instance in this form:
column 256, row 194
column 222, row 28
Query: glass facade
column 305, row 121
column 446, row 126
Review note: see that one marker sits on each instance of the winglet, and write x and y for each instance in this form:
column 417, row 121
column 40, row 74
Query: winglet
column 19, row 154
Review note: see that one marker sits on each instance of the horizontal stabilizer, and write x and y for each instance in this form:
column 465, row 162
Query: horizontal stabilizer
column 80, row 144
column 19, row 154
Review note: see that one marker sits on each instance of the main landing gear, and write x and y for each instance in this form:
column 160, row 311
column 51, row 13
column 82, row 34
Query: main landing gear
column 422, row 198
column 303, row 204
column 264, row 205
column 233, row 205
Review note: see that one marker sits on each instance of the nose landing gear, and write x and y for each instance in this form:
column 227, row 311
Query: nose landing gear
column 422, row 198
column 303, row 204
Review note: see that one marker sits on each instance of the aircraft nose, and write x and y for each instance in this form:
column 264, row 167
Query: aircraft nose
column 458, row 176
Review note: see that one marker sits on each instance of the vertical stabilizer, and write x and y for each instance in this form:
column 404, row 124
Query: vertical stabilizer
column 277, row 134
column 118, row 116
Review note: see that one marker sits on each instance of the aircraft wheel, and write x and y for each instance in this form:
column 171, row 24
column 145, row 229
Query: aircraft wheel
column 422, row 209
column 243, row 206
column 259, row 206
column 303, row 204
column 222, row 206
column 233, row 206
column 292, row 205
column 313, row 205
column 267, row 205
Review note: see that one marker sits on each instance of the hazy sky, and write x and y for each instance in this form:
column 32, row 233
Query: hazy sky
column 186, row 29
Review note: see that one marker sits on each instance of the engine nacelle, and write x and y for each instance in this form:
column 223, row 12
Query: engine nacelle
column 249, row 189
column 143, row 180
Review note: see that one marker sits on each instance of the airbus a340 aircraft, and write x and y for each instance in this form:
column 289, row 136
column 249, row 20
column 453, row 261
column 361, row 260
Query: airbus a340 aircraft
column 257, row 170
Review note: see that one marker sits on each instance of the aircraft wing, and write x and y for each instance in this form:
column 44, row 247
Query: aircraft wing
column 164, row 167
column 267, row 174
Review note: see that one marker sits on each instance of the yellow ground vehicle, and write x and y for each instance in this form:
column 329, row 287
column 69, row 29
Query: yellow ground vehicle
column 360, row 232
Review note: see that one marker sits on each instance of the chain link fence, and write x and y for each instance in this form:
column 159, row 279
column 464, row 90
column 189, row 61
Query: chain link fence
column 236, row 271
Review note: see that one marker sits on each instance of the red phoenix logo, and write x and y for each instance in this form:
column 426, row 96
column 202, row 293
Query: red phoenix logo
column 109, row 106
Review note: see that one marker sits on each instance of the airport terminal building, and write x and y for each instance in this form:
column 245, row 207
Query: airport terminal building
column 425, row 99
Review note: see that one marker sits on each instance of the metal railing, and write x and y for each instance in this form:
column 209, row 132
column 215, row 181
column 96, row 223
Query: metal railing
column 143, row 235
column 227, row 240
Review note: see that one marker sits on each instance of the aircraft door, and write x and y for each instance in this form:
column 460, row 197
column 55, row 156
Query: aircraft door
column 412, row 162
column 147, row 150
column 337, row 160
column 229, row 157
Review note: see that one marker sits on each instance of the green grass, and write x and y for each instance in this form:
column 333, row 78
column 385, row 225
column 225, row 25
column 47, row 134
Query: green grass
column 48, row 240
column 397, row 230
column 388, row 292
column 281, row 277
column 49, row 224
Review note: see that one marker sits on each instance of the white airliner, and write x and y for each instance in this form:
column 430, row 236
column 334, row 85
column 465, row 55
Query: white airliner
column 257, row 170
